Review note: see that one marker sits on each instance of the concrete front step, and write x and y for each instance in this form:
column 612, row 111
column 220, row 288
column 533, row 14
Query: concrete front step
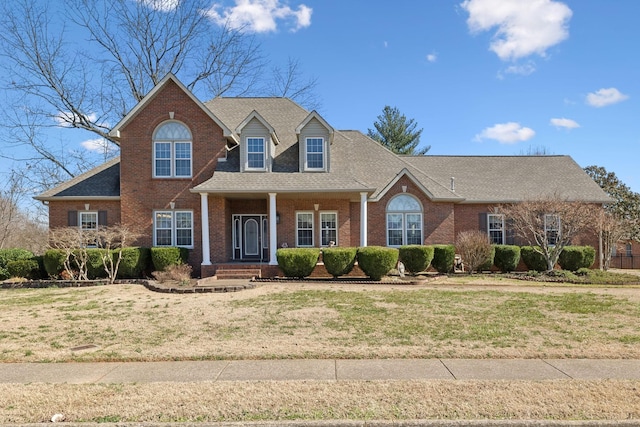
column 237, row 273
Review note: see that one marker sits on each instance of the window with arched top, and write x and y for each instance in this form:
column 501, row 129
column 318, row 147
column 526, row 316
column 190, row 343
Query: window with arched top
column 404, row 221
column 172, row 151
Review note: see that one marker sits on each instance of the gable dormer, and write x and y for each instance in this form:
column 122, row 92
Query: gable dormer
column 258, row 141
column 315, row 137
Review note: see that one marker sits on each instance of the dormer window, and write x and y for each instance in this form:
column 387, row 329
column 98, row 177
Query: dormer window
column 172, row 151
column 255, row 154
column 315, row 153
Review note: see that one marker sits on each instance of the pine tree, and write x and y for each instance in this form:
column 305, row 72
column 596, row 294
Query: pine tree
column 396, row 133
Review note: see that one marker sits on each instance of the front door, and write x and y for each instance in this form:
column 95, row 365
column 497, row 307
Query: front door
column 250, row 238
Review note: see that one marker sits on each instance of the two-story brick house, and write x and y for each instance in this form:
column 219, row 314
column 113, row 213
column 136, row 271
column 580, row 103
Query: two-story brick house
column 233, row 179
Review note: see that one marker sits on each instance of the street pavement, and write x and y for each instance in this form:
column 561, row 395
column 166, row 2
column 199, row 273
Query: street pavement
column 320, row 370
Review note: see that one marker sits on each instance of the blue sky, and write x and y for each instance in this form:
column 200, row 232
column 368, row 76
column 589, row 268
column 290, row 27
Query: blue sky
column 481, row 77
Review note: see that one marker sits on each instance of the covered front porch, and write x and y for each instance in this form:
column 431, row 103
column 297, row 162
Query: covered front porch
column 245, row 229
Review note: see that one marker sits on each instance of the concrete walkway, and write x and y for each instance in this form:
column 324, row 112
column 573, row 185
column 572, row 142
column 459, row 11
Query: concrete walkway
column 320, row 370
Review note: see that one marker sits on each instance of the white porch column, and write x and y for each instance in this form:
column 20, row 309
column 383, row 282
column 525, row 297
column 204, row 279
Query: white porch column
column 363, row 219
column 204, row 211
column 273, row 236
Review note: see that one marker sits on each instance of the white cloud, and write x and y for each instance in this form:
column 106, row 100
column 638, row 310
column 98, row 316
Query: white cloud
column 98, row 145
column 432, row 57
column 161, row 5
column 260, row 16
column 604, row 97
column 506, row 133
column 63, row 118
column 564, row 123
column 524, row 27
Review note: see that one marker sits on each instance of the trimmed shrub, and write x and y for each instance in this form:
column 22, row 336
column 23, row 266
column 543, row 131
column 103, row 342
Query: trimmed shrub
column 162, row 257
column 25, row 268
column 95, row 267
column 297, row 262
column 8, row 255
column 490, row 261
column 443, row 258
column 532, row 259
column 573, row 258
column 135, row 262
column 54, row 262
column 416, row 258
column 507, row 257
column 377, row 261
column 339, row 261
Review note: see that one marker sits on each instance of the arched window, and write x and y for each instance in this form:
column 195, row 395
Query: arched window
column 404, row 221
column 172, row 151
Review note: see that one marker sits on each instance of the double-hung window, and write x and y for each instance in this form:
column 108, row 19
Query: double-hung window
column 255, row 154
column 328, row 228
column 173, row 228
column 404, row 221
column 495, row 228
column 552, row 228
column 172, row 151
column 304, row 229
column 315, row 153
column 88, row 221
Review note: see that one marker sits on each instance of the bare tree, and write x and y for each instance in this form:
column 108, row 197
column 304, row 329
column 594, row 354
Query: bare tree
column 611, row 229
column 82, row 64
column 549, row 224
column 289, row 83
column 111, row 241
column 474, row 248
column 73, row 242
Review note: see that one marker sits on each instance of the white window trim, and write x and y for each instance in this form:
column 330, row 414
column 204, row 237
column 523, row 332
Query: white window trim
column 173, row 228
column 404, row 214
column 501, row 229
column 246, row 154
column 173, row 159
column 323, row 153
column 321, row 229
column 298, row 245
column 82, row 213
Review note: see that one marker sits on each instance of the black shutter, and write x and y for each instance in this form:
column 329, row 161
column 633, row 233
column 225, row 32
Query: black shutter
column 510, row 237
column 72, row 218
column 482, row 221
column 102, row 218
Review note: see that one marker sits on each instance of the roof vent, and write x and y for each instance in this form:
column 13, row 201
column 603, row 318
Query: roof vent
column 453, row 184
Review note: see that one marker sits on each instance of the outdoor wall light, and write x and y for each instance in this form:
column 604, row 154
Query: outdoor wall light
column 277, row 217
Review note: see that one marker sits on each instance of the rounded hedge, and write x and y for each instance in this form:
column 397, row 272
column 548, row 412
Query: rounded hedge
column 377, row 261
column 507, row 257
column 339, row 261
column 162, row 257
column 25, row 268
column 297, row 262
column 54, row 262
column 532, row 259
column 443, row 258
column 416, row 258
column 9, row 255
column 573, row 258
column 95, row 266
column 135, row 262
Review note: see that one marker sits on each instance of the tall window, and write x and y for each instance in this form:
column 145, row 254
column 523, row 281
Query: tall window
column 255, row 153
column 629, row 250
column 552, row 228
column 328, row 228
column 315, row 153
column 173, row 228
column 495, row 228
column 172, row 151
column 304, row 229
column 404, row 221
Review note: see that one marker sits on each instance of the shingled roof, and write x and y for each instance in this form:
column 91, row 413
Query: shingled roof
column 102, row 182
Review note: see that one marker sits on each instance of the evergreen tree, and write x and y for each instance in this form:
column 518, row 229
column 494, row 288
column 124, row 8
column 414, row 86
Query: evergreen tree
column 394, row 131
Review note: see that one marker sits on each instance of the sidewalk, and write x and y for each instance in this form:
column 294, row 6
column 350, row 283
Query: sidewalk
column 320, row 370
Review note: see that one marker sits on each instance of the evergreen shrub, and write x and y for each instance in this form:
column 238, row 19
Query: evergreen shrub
column 377, row 261
column 443, row 258
column 507, row 257
column 416, row 258
column 339, row 261
column 297, row 262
